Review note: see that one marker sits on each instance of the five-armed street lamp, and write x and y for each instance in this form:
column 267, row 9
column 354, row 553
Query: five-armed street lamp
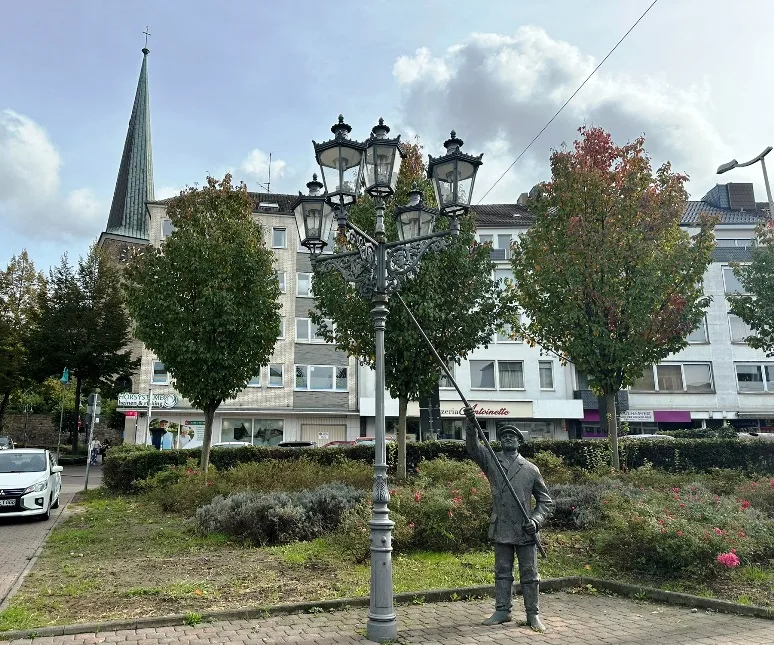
column 735, row 164
column 378, row 268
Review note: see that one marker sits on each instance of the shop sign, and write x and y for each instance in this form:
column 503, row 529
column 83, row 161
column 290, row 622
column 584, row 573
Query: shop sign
column 140, row 400
column 644, row 416
column 485, row 409
column 131, row 413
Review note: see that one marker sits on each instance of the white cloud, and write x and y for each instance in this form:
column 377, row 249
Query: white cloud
column 497, row 91
column 166, row 191
column 31, row 202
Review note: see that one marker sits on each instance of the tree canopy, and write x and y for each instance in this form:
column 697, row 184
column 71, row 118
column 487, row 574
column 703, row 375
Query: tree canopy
column 20, row 286
column 756, row 305
column 206, row 301
column 606, row 276
column 454, row 297
column 83, row 325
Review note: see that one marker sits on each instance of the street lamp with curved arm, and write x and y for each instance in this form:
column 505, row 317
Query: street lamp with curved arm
column 735, row 164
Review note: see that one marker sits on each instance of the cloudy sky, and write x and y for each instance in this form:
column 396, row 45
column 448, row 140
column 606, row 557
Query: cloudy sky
column 232, row 82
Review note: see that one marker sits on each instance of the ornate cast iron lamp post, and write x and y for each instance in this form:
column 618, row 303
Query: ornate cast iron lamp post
column 378, row 268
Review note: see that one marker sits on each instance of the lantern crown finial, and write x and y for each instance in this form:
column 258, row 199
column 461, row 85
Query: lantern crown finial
column 380, row 131
column 340, row 129
column 453, row 143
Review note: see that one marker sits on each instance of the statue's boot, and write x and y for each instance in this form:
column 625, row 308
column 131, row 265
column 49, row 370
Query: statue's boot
column 531, row 593
column 503, row 602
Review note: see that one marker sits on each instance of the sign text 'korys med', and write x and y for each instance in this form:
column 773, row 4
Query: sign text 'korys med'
column 140, row 400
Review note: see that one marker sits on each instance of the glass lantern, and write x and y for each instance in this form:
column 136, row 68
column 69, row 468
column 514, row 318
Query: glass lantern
column 340, row 161
column 453, row 176
column 383, row 158
column 414, row 219
column 314, row 218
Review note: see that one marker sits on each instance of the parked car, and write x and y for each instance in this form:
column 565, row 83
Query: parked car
column 646, row 436
column 231, row 444
column 370, row 441
column 297, row 444
column 6, row 443
column 338, row 444
column 30, row 483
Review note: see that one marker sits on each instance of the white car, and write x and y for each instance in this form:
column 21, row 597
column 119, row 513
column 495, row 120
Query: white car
column 30, row 483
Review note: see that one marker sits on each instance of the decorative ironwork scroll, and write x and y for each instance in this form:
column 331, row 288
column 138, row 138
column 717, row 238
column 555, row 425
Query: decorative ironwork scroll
column 404, row 259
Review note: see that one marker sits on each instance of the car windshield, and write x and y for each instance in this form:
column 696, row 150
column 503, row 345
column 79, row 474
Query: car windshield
column 4, row 441
column 22, row 462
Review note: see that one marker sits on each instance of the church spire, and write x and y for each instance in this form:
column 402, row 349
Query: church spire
column 134, row 186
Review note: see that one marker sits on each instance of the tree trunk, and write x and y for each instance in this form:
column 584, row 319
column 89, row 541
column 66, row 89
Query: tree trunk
column 402, row 407
column 209, row 415
column 3, row 408
column 76, row 430
column 611, row 420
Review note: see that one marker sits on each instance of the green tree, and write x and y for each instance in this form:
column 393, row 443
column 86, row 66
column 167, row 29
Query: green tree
column 20, row 286
column 206, row 302
column 606, row 276
column 453, row 297
column 83, row 325
column 756, row 306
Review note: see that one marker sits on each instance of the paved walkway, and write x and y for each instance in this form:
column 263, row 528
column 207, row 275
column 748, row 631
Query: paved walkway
column 572, row 619
column 20, row 538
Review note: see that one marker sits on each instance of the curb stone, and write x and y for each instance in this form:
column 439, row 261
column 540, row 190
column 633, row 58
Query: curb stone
column 434, row 595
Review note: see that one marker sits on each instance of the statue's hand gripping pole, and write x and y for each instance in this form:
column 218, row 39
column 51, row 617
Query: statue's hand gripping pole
column 474, row 420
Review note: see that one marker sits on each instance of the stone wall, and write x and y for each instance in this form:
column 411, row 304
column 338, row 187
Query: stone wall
column 41, row 431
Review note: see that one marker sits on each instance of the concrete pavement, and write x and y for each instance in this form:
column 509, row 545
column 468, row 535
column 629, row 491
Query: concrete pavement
column 572, row 619
column 22, row 538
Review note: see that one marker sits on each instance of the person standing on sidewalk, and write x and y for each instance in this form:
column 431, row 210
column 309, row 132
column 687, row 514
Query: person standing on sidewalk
column 512, row 533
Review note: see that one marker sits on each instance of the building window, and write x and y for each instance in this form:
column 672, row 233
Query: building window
column 280, row 280
column 167, row 228
column 255, row 381
column 504, row 243
column 740, row 330
column 276, row 374
column 279, row 238
column 160, row 376
column 506, row 335
column 258, row 432
column 304, row 285
column 308, row 332
column 282, row 327
column 733, row 285
column 445, row 381
column 546, row 375
column 328, row 378
column 757, row 377
column 676, row 377
column 744, row 242
column 501, row 275
column 482, row 375
column 486, row 239
column 510, row 375
column 699, row 335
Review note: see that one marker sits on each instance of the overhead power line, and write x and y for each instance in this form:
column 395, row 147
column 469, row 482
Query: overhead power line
column 564, row 105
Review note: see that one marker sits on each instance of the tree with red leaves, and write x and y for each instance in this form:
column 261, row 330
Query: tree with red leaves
column 606, row 277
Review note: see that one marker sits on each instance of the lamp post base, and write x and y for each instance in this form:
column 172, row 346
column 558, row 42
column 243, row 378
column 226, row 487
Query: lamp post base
column 382, row 630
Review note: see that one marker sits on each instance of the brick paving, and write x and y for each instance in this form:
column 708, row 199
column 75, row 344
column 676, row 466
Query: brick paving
column 20, row 538
column 571, row 619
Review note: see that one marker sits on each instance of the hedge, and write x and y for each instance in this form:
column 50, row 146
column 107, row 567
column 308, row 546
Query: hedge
column 126, row 465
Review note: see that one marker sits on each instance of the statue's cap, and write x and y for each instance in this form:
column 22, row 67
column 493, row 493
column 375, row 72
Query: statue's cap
column 509, row 429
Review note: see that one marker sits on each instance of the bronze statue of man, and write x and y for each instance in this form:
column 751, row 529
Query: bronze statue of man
column 512, row 532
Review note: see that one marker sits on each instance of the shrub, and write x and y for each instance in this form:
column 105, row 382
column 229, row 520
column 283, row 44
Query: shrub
column 277, row 517
column 553, row 468
column 576, row 506
column 681, row 530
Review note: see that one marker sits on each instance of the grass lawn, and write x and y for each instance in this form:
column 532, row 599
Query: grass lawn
column 120, row 557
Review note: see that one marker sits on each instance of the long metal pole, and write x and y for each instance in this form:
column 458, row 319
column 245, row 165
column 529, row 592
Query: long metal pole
column 768, row 189
column 382, row 622
column 480, row 431
column 61, row 418
column 150, row 411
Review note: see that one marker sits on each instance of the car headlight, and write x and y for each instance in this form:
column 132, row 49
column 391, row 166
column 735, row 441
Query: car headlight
column 36, row 488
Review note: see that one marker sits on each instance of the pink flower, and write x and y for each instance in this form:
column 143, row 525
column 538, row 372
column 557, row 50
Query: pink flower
column 741, row 534
column 682, row 505
column 729, row 560
column 418, row 496
column 679, row 534
column 718, row 531
column 675, row 490
column 450, row 513
column 745, row 505
column 411, row 525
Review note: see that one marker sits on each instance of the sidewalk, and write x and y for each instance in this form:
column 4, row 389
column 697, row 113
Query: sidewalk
column 571, row 619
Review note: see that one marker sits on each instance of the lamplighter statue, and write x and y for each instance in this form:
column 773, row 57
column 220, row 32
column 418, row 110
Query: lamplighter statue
column 513, row 527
